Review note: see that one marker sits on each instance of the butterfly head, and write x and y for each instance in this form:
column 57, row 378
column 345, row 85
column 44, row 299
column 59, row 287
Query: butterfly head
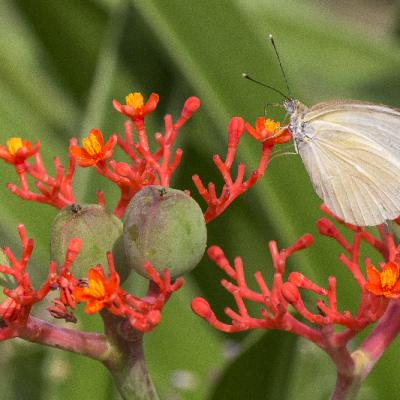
column 297, row 125
column 291, row 106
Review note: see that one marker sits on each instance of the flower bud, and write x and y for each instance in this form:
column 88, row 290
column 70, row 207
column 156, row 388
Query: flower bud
column 165, row 227
column 100, row 232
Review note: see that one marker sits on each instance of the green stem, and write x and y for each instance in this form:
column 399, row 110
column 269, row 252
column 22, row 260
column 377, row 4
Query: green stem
column 126, row 363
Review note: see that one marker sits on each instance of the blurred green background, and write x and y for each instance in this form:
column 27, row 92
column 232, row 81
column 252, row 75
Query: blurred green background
column 62, row 62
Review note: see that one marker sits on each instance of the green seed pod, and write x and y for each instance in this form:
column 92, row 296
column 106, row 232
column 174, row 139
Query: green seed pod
column 100, row 232
column 165, row 227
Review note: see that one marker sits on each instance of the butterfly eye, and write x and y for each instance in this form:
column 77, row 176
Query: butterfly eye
column 303, row 125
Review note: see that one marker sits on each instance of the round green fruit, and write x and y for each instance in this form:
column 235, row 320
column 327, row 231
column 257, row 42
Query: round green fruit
column 165, row 227
column 100, row 232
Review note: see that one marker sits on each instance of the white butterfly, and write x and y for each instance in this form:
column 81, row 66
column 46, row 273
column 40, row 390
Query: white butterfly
column 351, row 150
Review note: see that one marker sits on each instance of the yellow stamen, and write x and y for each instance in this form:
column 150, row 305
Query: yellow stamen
column 14, row 144
column 135, row 100
column 96, row 288
column 270, row 125
column 388, row 278
column 92, row 145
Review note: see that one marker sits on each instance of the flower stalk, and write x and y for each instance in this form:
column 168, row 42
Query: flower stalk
column 126, row 362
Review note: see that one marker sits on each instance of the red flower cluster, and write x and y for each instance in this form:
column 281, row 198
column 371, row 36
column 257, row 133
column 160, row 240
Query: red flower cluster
column 284, row 292
column 14, row 311
column 146, row 167
column 98, row 292
column 55, row 191
column 143, row 314
column 234, row 187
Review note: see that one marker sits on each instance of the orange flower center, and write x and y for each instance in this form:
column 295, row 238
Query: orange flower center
column 96, row 289
column 270, row 125
column 92, row 145
column 389, row 277
column 13, row 145
column 135, row 100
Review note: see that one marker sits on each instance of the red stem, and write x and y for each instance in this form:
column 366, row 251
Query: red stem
column 385, row 331
column 92, row 345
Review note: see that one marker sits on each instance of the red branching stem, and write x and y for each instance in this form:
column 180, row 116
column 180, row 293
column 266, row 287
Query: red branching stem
column 284, row 292
column 15, row 310
column 143, row 314
column 56, row 191
column 127, row 144
column 232, row 187
column 101, row 200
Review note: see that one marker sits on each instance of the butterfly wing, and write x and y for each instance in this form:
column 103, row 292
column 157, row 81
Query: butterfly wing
column 353, row 159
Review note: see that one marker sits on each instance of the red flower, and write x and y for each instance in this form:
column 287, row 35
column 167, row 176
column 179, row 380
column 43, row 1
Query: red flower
column 268, row 130
column 135, row 108
column 17, row 150
column 93, row 149
column 385, row 283
column 99, row 292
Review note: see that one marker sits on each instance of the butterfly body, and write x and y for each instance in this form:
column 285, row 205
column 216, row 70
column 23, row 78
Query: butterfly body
column 351, row 151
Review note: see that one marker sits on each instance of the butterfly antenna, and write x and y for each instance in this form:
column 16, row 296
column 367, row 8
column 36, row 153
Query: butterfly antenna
column 271, row 38
column 248, row 77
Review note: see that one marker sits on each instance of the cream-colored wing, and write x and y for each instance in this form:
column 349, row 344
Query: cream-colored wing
column 378, row 122
column 353, row 160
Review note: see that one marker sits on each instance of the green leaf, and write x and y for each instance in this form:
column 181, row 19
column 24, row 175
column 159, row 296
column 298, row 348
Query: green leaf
column 262, row 371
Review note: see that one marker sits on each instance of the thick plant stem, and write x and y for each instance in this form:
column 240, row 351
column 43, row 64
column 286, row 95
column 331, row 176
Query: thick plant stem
column 92, row 345
column 373, row 347
column 347, row 382
column 346, row 387
column 362, row 360
column 126, row 363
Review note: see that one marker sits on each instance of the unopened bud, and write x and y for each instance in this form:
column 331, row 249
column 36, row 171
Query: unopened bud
column 201, row 307
column 290, row 292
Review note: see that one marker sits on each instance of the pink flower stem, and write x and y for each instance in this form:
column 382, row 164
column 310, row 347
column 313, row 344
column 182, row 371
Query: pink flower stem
column 385, row 331
column 92, row 345
column 347, row 383
column 346, row 387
